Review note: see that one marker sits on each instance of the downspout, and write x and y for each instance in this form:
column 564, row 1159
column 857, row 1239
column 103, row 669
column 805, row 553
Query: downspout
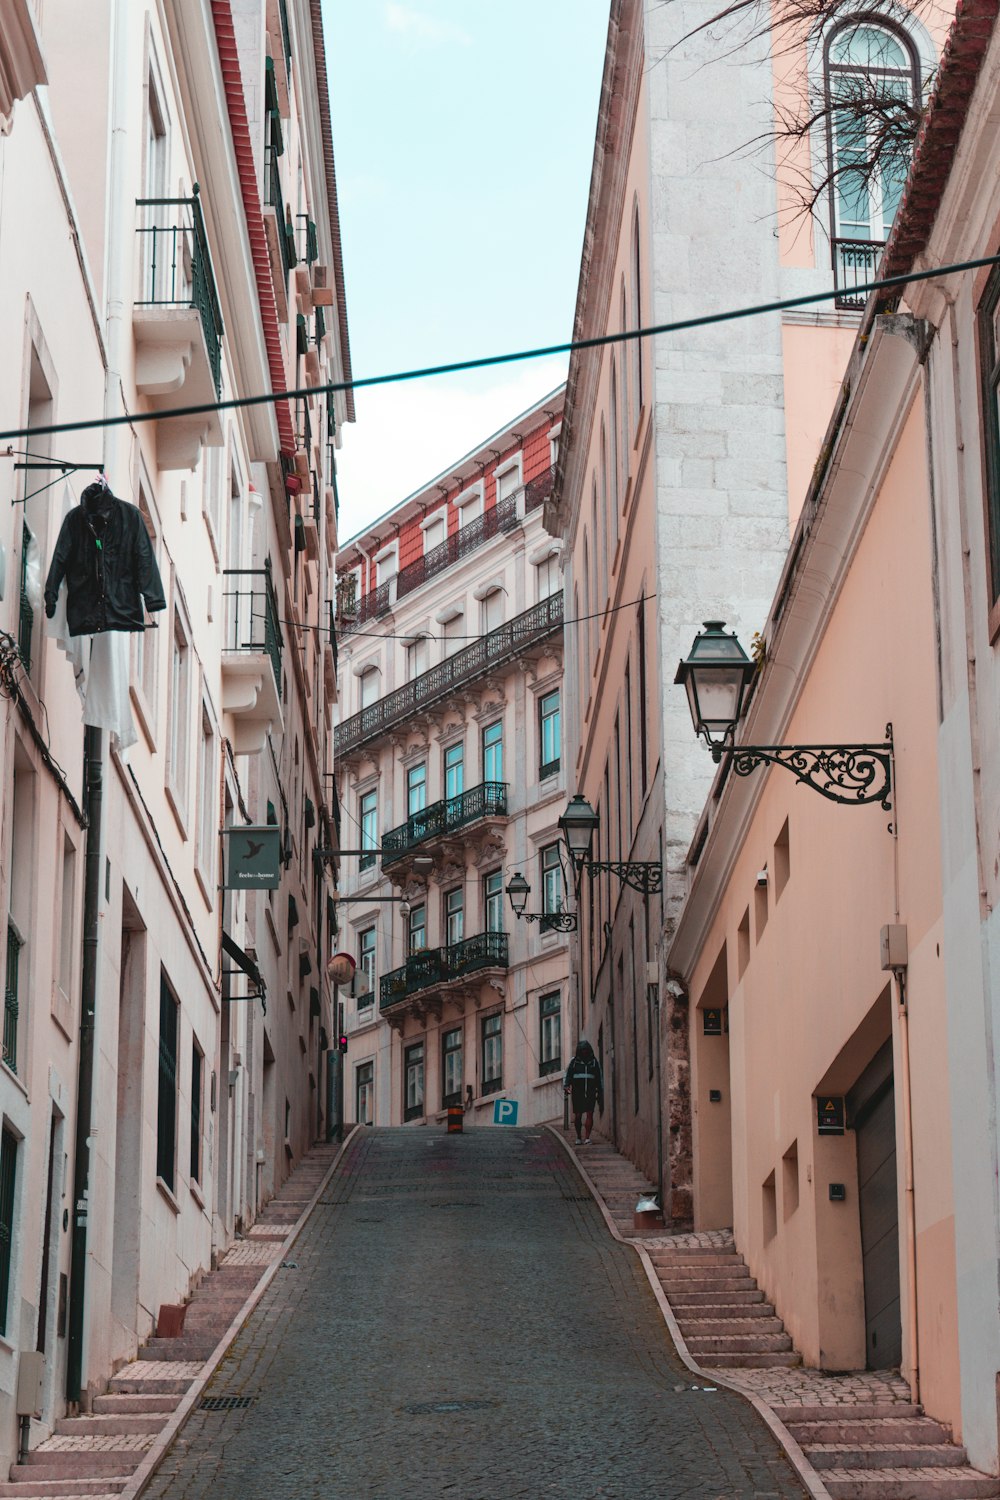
column 117, row 228
column 913, row 1328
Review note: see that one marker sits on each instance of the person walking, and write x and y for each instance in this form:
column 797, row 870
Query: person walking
column 584, row 1081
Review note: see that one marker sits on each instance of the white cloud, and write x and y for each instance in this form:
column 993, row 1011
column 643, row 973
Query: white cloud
column 407, row 434
column 423, row 28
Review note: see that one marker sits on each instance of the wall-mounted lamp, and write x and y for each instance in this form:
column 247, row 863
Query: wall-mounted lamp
column 716, row 674
column 518, row 891
column 579, row 823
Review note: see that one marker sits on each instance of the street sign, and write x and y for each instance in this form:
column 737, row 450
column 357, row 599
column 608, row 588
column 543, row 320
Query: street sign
column 505, row 1112
column 829, row 1115
column 252, row 858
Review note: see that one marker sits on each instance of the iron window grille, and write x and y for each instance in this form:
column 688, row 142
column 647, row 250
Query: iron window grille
column 11, row 1000
column 8, row 1176
column 166, row 1102
column 197, row 1070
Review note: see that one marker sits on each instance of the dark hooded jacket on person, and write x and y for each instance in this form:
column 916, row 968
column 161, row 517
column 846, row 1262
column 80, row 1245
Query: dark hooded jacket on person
column 585, row 1080
column 104, row 554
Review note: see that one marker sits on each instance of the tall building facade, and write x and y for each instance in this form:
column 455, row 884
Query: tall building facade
column 165, row 1031
column 451, row 780
column 686, row 458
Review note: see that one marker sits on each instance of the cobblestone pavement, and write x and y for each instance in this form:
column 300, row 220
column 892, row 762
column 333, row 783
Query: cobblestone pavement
column 457, row 1322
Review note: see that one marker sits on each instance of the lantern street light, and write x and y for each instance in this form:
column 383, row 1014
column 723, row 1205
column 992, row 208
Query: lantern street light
column 716, row 674
column 518, row 891
column 579, row 823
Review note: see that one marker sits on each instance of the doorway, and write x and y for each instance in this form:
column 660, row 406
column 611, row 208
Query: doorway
column 871, row 1113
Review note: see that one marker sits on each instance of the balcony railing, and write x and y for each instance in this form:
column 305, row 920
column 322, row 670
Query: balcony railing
column 485, row 654
column 488, row 800
column 374, row 604
column 855, row 262
column 252, row 622
column 431, row 967
column 10, row 996
column 499, row 518
column 539, row 490
column 177, row 268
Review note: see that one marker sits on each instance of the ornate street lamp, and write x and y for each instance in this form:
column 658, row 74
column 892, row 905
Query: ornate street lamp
column 518, row 891
column 716, row 674
column 579, row 823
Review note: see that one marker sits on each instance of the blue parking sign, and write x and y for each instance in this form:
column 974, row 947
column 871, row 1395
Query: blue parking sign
column 505, row 1112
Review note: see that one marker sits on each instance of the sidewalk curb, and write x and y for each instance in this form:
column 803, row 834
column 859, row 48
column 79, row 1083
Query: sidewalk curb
column 165, row 1437
column 803, row 1468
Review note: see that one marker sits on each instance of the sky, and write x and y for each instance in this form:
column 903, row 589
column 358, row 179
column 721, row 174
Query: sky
column 463, row 133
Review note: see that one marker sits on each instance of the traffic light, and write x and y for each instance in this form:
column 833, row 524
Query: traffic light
column 342, row 1042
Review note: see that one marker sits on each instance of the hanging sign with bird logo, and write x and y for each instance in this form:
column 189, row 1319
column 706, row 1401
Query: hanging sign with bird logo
column 253, row 858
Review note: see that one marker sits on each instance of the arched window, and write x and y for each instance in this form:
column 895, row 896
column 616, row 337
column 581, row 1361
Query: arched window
column 872, row 87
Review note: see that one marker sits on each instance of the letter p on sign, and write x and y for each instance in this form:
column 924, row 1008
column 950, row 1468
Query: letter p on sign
column 505, row 1112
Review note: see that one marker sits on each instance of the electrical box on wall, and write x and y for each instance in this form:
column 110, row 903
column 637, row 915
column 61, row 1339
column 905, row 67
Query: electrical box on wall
column 30, row 1370
column 893, row 945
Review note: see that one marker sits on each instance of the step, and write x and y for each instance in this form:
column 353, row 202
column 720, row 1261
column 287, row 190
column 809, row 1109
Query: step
column 736, row 1272
column 766, row 1343
column 684, row 1258
column 153, row 1385
column 752, row 1296
column 725, row 1312
column 76, row 1465
column 158, row 1351
column 104, row 1424
column 137, row 1405
column 699, row 1327
column 866, row 1411
column 789, row 1361
column 719, row 1288
column 910, row 1484
column 886, row 1455
column 843, row 1429
column 62, row 1489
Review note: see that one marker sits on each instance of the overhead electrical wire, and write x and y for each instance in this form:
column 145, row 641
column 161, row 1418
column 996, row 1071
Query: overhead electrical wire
column 679, row 325
column 411, row 635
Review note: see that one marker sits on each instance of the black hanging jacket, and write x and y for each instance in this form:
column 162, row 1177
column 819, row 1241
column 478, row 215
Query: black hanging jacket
column 109, row 570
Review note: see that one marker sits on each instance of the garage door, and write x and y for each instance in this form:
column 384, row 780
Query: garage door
column 875, row 1123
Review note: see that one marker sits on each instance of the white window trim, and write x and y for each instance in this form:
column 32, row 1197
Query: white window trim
column 475, row 494
column 448, row 613
column 509, row 465
column 392, row 550
column 494, row 586
column 435, row 518
column 544, row 552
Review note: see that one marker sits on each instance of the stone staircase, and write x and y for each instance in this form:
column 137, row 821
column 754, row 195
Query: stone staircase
column 720, row 1309
column 884, row 1452
column 96, row 1454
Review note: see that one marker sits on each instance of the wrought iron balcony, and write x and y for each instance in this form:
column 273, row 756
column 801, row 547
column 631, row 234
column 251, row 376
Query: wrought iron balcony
column 855, row 262
column 539, row 490
column 490, row 651
column 488, row 800
column 251, row 658
column 499, row 518
column 274, row 198
column 431, row 967
column 177, row 268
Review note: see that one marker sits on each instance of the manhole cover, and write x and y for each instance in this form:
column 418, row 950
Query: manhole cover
column 226, row 1403
column 430, row 1408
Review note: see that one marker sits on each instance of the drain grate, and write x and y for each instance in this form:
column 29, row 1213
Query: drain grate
column 430, row 1408
column 225, row 1403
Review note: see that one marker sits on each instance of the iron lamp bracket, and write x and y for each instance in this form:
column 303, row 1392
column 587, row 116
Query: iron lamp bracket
column 852, row 775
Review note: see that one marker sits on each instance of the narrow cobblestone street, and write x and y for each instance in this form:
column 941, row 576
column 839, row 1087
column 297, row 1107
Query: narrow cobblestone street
column 456, row 1321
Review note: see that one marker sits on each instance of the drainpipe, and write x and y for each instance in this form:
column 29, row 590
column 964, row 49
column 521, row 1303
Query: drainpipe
column 85, row 1075
column 908, row 1192
column 117, row 238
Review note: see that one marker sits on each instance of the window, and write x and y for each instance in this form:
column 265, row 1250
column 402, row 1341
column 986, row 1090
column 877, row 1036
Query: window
column 364, row 1092
column 416, row 789
column 508, row 485
column 386, row 568
column 166, row 1101
column 870, row 84
column 549, row 1033
column 19, row 881
column 417, row 657
column 366, row 963
column 469, row 506
column 434, row 532
column 548, row 734
column 453, row 633
column 206, row 798
column 212, row 484
column 197, row 1074
column 8, row 1177
column 547, row 576
column 413, row 1082
column 454, row 771
column 418, row 928
column 493, row 901
column 67, row 918
column 368, row 687
column 454, row 916
column 144, row 656
column 635, row 345
column 11, row 995
column 493, row 752
column 989, row 346
column 552, row 881
column 26, row 614
column 623, row 403
column 180, row 693
column 492, row 1044
column 368, row 818
column 451, row 1067
column 492, row 611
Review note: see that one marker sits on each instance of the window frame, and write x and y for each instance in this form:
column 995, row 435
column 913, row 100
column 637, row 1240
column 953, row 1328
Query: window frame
column 453, row 1096
column 491, row 1042
column 550, row 873
column 364, row 1086
column 196, row 1165
column 369, row 835
column 414, row 1056
column 493, row 901
column 546, row 1013
column 369, row 969
column 10, row 1142
column 552, row 766
column 167, row 1091
column 416, row 922
column 453, row 913
column 491, row 751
